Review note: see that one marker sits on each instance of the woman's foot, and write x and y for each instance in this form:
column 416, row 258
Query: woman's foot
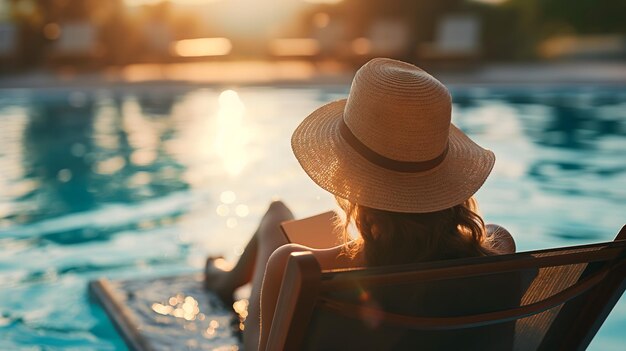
column 217, row 280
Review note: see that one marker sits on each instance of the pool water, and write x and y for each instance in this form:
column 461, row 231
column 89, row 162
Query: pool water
column 138, row 181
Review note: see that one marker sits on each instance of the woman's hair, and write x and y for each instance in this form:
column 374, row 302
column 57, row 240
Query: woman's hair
column 396, row 238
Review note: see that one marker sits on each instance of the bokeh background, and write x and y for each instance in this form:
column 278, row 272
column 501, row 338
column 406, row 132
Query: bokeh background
column 71, row 36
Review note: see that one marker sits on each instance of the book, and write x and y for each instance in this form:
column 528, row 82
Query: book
column 316, row 232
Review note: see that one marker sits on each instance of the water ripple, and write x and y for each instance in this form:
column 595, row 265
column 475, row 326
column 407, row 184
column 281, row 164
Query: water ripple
column 109, row 216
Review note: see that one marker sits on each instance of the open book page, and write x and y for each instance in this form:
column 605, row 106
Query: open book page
column 317, row 232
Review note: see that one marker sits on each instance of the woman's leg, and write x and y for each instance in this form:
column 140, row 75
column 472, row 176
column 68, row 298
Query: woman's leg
column 269, row 239
column 224, row 283
column 251, row 267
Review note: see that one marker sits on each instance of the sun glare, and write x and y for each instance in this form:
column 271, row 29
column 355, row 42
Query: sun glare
column 181, row 2
column 234, row 19
column 201, row 47
column 294, row 47
column 323, row 1
column 232, row 136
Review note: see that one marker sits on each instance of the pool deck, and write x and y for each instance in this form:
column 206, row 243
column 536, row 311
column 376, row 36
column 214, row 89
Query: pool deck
column 325, row 73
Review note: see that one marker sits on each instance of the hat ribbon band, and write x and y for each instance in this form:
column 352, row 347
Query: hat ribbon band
column 385, row 162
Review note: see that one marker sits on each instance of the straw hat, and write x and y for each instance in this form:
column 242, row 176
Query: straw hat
column 390, row 145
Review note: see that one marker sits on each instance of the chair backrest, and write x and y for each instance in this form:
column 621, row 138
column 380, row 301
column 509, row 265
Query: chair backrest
column 553, row 299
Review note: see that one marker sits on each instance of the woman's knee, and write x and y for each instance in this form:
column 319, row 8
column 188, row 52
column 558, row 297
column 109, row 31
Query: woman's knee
column 280, row 210
column 277, row 213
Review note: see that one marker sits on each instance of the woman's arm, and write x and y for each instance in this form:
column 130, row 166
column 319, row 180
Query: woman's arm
column 328, row 259
column 270, row 288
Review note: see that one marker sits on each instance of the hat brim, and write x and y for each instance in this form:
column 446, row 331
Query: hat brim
column 338, row 168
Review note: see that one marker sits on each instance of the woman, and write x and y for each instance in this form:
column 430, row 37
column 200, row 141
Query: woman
column 402, row 174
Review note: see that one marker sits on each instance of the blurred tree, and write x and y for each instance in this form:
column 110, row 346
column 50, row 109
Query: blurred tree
column 584, row 16
column 549, row 17
column 505, row 29
column 119, row 40
column 29, row 21
column 538, row 20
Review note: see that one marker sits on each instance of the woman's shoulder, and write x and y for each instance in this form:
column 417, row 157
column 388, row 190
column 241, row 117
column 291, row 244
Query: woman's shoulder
column 330, row 258
column 500, row 239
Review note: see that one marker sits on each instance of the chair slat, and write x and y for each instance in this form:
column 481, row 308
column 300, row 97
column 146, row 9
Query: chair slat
column 472, row 267
column 448, row 323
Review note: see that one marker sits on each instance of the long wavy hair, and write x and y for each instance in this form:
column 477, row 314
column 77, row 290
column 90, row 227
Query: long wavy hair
column 396, row 238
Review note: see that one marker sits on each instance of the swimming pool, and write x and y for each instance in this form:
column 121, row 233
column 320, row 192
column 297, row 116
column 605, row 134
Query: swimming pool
column 145, row 180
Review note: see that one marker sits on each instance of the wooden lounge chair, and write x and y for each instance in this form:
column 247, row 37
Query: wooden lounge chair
column 553, row 299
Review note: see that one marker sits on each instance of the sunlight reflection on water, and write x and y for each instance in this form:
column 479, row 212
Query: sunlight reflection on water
column 232, row 134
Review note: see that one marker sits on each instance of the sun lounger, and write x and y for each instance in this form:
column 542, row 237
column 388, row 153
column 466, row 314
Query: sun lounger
column 553, row 299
